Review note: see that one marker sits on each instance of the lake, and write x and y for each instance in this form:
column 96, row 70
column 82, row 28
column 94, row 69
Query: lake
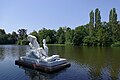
column 87, row 63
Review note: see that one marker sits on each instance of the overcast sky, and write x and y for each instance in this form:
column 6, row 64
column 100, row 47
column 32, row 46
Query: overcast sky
column 51, row 14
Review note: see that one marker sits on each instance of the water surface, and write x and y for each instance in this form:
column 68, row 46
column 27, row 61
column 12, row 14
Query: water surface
column 87, row 63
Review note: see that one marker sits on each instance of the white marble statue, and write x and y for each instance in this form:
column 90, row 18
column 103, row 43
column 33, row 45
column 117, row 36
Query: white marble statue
column 33, row 42
column 45, row 46
column 38, row 52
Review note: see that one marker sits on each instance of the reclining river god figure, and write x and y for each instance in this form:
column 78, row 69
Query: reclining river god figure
column 38, row 58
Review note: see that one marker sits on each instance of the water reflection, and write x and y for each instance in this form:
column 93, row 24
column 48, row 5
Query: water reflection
column 2, row 56
column 87, row 63
column 102, row 63
column 37, row 75
column 13, row 51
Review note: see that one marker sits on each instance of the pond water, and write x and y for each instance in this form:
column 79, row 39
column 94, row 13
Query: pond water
column 87, row 63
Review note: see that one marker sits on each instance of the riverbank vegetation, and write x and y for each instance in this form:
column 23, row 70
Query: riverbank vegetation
column 94, row 33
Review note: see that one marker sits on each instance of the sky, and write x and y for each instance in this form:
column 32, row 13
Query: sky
column 51, row 14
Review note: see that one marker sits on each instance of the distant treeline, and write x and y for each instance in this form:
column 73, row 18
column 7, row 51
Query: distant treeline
column 95, row 33
column 14, row 38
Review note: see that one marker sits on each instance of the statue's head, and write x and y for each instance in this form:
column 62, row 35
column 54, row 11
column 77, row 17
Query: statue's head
column 31, row 38
column 44, row 41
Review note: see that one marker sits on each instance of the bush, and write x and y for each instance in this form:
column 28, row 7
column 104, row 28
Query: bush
column 116, row 44
column 23, row 42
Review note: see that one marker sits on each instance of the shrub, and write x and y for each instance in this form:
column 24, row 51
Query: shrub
column 116, row 44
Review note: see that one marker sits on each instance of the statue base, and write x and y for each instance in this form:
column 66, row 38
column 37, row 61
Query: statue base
column 43, row 68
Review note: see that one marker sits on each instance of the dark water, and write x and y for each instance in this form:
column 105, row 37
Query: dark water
column 87, row 63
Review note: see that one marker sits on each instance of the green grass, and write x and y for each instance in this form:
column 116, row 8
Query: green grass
column 56, row 44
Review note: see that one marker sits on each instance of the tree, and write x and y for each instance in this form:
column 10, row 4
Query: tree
column 48, row 39
column 3, row 36
column 108, row 34
column 97, row 19
column 69, row 36
column 2, row 32
column 90, row 41
column 113, row 16
column 8, row 38
column 22, row 37
column 91, row 23
column 47, row 34
column 22, row 34
column 79, row 34
column 100, row 36
column 34, row 33
column 52, row 35
column 61, row 39
column 114, row 26
column 12, row 38
column 60, row 35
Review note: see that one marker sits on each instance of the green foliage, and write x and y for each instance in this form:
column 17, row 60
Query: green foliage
column 80, row 33
column 22, row 34
column 61, row 39
column 90, row 41
column 91, row 23
column 12, row 38
column 60, row 35
column 114, row 25
column 34, row 33
column 48, row 39
column 48, row 34
column 3, row 39
column 2, row 32
column 23, row 42
column 97, row 19
column 7, row 38
column 116, row 44
column 69, row 36
column 22, row 37
column 113, row 16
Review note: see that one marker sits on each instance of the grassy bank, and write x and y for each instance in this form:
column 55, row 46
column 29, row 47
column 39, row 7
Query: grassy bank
column 116, row 44
column 56, row 44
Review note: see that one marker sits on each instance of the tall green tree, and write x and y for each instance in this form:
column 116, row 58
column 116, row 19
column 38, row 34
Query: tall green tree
column 114, row 26
column 97, row 19
column 69, row 36
column 42, row 34
column 91, row 23
column 61, row 39
column 113, row 16
column 60, row 35
column 100, row 36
